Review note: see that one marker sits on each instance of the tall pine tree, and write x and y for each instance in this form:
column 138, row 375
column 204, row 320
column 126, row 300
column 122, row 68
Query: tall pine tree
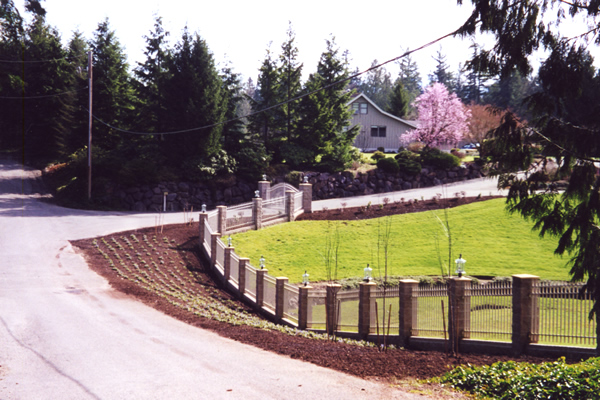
column 195, row 99
column 325, row 138
column 265, row 121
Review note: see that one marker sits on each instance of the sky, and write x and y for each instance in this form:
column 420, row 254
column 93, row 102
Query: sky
column 240, row 31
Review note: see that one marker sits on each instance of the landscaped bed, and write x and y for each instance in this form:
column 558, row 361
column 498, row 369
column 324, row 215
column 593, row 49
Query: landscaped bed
column 161, row 266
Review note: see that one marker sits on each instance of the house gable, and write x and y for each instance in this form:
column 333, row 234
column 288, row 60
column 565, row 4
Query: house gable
column 377, row 127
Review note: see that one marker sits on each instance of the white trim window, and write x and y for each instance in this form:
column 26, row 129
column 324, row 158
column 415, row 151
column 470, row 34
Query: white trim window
column 360, row 108
column 378, row 130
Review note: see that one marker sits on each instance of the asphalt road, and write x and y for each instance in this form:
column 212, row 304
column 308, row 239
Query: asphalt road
column 65, row 334
column 474, row 187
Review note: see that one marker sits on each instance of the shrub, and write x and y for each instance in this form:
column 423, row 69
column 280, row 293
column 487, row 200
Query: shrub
column 458, row 153
column 294, row 177
column 416, row 147
column 408, row 162
column 378, row 155
column 511, row 380
column 381, row 149
column 388, row 165
column 438, row 159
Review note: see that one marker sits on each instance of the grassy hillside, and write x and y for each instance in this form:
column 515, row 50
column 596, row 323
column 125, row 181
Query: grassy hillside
column 492, row 241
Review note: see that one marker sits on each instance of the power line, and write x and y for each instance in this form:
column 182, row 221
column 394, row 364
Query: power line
column 42, row 96
column 405, row 54
column 41, row 61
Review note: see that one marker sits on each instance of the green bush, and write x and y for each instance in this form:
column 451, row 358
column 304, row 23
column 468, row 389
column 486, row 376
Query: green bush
column 294, row 178
column 378, row 155
column 408, row 162
column 381, row 149
column 511, row 380
column 438, row 159
column 388, row 165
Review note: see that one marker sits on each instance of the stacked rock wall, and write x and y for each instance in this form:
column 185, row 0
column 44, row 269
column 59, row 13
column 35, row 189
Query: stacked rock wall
column 185, row 195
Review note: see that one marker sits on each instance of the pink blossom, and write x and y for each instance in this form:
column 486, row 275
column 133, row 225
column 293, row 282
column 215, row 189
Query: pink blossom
column 443, row 118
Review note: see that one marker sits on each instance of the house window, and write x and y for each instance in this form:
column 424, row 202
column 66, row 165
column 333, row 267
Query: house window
column 359, row 108
column 378, row 131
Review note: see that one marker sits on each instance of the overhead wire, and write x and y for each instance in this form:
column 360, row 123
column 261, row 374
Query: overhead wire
column 43, row 96
column 405, row 54
column 42, row 61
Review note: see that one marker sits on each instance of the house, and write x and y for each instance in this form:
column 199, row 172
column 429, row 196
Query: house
column 377, row 127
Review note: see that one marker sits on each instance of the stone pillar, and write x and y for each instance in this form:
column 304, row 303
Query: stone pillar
column 222, row 220
column 260, row 286
column 303, row 309
column 306, row 189
column 257, row 212
column 242, row 275
column 279, row 296
column 227, row 264
column 263, row 189
column 203, row 219
column 331, row 307
column 459, row 310
column 289, row 204
column 364, row 308
column 213, row 248
column 407, row 310
column 526, row 312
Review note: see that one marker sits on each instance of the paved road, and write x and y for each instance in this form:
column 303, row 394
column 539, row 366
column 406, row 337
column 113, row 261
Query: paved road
column 474, row 187
column 65, row 334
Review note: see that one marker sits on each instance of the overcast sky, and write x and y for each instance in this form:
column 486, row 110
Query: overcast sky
column 239, row 31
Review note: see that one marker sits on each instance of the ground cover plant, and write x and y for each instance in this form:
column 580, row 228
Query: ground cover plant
column 493, row 242
column 164, row 270
column 513, row 380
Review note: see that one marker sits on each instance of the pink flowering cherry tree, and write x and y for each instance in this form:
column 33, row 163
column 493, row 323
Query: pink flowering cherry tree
column 443, row 118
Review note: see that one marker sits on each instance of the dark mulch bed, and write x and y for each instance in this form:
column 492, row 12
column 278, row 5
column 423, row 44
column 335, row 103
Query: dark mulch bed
column 391, row 366
column 403, row 207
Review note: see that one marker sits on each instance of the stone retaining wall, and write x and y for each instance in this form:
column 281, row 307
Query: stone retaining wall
column 184, row 195
column 345, row 184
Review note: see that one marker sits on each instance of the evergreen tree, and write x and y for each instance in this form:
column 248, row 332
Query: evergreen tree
column 411, row 80
column 473, row 89
column 11, row 76
column 442, row 72
column 113, row 91
column 290, row 73
column 48, row 107
column 77, row 136
column 399, row 100
column 325, row 140
column 265, row 121
column 410, row 77
column 563, row 126
column 195, row 99
column 377, row 86
column 246, row 147
column 152, row 76
column 511, row 92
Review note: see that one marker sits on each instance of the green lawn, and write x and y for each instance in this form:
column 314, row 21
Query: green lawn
column 492, row 241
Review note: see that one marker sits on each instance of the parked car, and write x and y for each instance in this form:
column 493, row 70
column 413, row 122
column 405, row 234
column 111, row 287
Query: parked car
column 471, row 146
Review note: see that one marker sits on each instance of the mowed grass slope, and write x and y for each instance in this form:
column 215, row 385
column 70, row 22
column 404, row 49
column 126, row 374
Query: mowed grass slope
column 493, row 242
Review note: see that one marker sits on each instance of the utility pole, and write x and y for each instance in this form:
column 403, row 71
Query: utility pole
column 89, row 164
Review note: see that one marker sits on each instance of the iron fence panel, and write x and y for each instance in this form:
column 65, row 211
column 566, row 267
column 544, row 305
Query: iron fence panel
column 431, row 315
column 564, row 314
column 290, row 302
column 316, row 310
column 269, row 292
column 490, row 311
